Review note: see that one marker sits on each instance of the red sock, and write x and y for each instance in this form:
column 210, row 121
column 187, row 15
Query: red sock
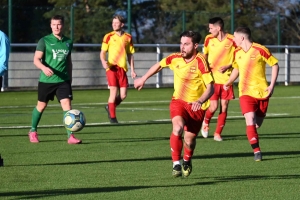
column 188, row 153
column 221, row 122
column 253, row 137
column 118, row 100
column 112, row 110
column 176, row 147
column 208, row 116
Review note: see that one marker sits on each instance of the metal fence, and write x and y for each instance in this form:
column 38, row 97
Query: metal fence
column 87, row 69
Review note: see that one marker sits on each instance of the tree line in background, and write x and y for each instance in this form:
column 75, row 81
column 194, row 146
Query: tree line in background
column 153, row 21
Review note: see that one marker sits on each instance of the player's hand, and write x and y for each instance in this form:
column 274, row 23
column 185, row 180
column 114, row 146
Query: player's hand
column 222, row 69
column 269, row 90
column 138, row 83
column 196, row 105
column 226, row 87
column 133, row 74
column 47, row 71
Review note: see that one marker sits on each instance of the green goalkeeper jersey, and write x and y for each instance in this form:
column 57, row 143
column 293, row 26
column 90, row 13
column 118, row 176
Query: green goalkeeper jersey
column 55, row 57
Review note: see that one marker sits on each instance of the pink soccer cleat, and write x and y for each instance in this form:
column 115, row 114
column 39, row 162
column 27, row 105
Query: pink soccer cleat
column 73, row 140
column 33, row 137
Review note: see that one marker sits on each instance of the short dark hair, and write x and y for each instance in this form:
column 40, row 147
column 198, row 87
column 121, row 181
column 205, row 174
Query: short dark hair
column 58, row 17
column 245, row 30
column 196, row 37
column 218, row 21
column 120, row 18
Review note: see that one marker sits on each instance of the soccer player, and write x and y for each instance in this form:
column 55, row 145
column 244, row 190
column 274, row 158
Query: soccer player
column 193, row 86
column 4, row 55
column 254, row 92
column 53, row 58
column 218, row 49
column 119, row 45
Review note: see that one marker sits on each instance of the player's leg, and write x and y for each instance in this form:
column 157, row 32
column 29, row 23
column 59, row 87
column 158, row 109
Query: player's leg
column 176, row 144
column 189, row 147
column 208, row 116
column 177, row 113
column 110, row 108
column 214, row 100
column 64, row 95
column 226, row 96
column 123, row 83
column 249, row 107
column 221, row 119
column 44, row 95
column 192, row 128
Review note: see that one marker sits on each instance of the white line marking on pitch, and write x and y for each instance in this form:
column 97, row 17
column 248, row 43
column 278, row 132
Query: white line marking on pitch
column 131, row 122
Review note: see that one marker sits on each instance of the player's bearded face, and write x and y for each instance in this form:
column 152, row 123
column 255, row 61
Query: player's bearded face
column 187, row 47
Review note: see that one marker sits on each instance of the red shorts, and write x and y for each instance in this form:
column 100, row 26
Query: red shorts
column 220, row 93
column 116, row 76
column 251, row 104
column 193, row 120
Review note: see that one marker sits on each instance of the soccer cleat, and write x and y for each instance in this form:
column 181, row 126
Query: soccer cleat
column 33, row 137
column 73, row 140
column 204, row 130
column 107, row 110
column 217, row 137
column 186, row 168
column 111, row 120
column 257, row 156
column 176, row 172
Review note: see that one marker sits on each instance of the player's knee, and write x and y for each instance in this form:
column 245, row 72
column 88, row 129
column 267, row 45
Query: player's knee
column 177, row 129
column 123, row 97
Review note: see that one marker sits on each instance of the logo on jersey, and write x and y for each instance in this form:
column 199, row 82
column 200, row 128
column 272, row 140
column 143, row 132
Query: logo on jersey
column 59, row 54
column 67, row 44
column 227, row 46
column 193, row 69
column 252, row 57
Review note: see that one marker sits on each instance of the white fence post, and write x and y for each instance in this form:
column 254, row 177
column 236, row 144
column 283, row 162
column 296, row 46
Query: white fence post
column 286, row 66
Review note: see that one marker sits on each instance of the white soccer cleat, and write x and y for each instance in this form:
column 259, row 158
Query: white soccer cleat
column 204, row 130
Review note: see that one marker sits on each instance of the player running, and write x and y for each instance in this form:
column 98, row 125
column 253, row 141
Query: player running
column 193, row 86
column 218, row 49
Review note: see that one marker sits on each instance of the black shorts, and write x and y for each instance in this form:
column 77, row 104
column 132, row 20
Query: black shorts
column 47, row 91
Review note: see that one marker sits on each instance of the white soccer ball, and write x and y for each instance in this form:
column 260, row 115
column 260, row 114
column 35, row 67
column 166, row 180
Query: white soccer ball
column 74, row 120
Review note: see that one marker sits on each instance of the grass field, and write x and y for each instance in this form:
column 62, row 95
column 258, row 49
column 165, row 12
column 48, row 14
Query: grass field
column 132, row 160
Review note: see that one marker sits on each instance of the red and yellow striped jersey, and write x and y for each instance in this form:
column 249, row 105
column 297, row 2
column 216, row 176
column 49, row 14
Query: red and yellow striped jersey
column 252, row 70
column 220, row 53
column 118, row 47
column 190, row 79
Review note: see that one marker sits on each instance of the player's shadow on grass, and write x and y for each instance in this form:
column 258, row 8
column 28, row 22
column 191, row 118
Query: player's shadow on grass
column 33, row 194
column 282, row 155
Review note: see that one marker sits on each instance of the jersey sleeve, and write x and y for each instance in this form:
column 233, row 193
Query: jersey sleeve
column 205, row 45
column 130, row 47
column 41, row 46
column 268, row 57
column 205, row 70
column 167, row 61
column 104, row 46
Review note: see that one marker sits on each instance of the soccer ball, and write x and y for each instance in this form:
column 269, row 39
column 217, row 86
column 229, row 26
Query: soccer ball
column 74, row 120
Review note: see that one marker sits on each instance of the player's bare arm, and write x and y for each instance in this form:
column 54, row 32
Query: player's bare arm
column 233, row 76
column 204, row 97
column 103, row 59
column 139, row 83
column 224, row 68
column 131, row 61
column 37, row 61
column 275, row 71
